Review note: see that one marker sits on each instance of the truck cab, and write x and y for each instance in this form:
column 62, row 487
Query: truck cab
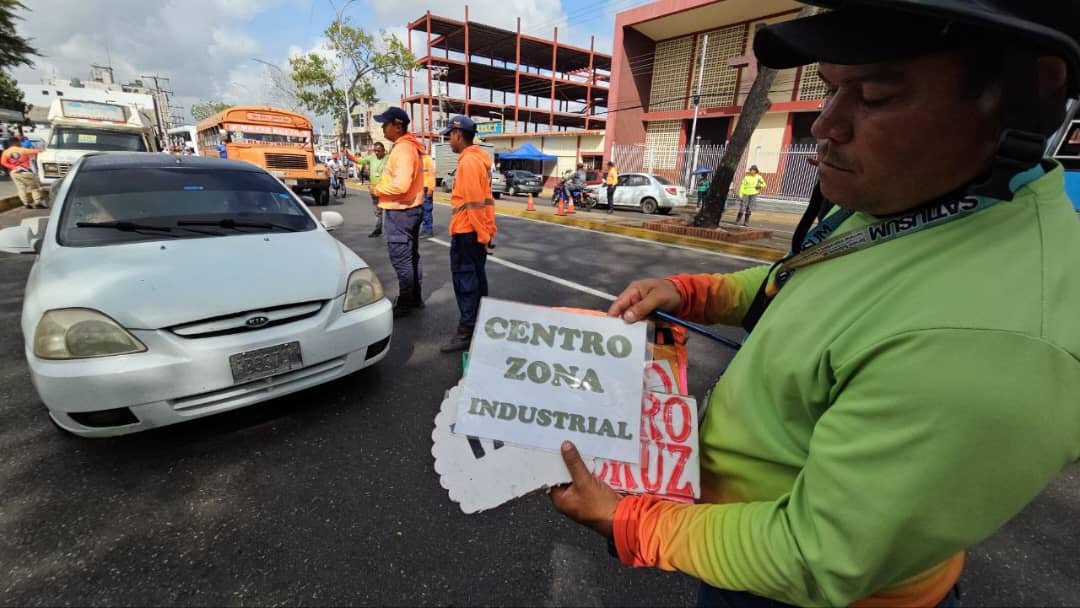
column 78, row 128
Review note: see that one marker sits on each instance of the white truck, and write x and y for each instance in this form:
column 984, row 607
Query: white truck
column 81, row 127
column 446, row 160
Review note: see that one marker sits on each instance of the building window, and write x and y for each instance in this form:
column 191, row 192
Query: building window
column 718, row 83
column 671, row 68
column 811, row 86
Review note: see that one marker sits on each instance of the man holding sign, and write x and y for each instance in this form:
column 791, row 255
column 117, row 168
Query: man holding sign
column 913, row 383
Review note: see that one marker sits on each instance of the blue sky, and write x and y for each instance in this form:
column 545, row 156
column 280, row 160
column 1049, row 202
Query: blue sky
column 207, row 47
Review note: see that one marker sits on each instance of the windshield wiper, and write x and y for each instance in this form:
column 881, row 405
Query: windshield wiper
column 122, row 226
column 233, row 224
column 125, row 226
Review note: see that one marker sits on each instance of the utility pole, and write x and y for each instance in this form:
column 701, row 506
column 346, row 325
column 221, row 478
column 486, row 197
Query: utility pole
column 697, row 105
column 439, row 73
column 162, row 108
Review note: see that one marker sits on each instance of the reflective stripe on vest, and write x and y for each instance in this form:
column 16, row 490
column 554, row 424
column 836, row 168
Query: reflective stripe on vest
column 463, row 206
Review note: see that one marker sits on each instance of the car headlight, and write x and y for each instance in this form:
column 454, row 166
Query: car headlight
column 79, row 333
column 320, row 172
column 363, row 289
column 50, row 169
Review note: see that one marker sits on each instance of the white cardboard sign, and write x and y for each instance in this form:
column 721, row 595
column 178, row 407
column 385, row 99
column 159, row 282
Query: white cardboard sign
column 539, row 376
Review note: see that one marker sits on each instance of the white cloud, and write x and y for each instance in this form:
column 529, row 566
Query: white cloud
column 200, row 45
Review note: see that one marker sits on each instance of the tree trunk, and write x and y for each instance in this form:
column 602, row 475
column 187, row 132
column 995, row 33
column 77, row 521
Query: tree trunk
column 756, row 105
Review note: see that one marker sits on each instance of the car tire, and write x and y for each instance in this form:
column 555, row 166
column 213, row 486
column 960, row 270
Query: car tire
column 514, row 192
column 496, row 194
column 664, row 210
column 323, row 197
column 649, row 206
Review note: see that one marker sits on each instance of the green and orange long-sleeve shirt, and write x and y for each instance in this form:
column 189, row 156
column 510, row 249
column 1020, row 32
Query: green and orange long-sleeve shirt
column 892, row 408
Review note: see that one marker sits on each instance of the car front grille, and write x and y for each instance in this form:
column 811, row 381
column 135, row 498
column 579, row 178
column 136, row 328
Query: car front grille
column 286, row 161
column 234, row 395
column 250, row 320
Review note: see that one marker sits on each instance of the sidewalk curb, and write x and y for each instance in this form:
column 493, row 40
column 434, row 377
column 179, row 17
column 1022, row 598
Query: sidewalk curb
column 8, row 203
column 761, row 253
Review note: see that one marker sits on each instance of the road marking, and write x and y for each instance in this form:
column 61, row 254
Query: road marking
column 542, row 275
column 741, row 258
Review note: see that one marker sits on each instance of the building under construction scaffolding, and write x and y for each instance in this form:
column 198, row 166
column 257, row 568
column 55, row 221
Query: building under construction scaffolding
column 515, row 82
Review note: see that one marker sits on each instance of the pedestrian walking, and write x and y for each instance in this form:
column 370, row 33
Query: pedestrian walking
column 17, row 160
column 612, row 181
column 911, row 377
column 752, row 185
column 472, row 228
column 400, row 192
column 376, row 163
column 427, row 226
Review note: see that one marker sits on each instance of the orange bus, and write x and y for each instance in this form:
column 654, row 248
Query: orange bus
column 277, row 140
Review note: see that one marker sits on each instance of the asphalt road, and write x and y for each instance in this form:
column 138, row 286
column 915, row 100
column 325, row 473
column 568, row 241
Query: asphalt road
column 329, row 497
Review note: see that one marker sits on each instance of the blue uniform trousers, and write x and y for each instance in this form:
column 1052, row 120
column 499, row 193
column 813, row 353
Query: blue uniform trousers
column 467, row 260
column 403, row 243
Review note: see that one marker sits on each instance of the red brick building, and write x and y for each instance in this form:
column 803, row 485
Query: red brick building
column 654, row 77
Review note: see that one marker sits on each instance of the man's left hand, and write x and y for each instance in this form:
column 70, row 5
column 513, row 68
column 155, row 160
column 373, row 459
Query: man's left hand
column 586, row 500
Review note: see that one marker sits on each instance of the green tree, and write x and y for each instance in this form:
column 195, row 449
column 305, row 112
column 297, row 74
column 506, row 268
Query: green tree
column 14, row 49
column 11, row 98
column 361, row 56
column 206, row 109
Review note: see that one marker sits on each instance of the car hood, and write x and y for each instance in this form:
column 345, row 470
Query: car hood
column 156, row 284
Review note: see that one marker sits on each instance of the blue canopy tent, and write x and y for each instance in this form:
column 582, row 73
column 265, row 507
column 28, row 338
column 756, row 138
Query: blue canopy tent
column 524, row 157
column 527, row 152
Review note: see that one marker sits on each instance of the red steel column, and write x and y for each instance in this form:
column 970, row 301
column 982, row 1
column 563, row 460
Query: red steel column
column 467, row 59
column 554, row 56
column 430, row 93
column 517, row 74
column 588, row 87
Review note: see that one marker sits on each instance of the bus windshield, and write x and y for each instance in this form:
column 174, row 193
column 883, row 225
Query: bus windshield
column 262, row 134
column 72, row 138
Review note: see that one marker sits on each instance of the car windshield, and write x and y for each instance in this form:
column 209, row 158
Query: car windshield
column 118, row 206
column 67, row 138
column 662, row 180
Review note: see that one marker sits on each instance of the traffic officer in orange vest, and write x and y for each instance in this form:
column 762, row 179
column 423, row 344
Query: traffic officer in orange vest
column 401, row 196
column 472, row 227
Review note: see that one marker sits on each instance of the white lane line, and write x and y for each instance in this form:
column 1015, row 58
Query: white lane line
column 542, row 275
column 633, row 238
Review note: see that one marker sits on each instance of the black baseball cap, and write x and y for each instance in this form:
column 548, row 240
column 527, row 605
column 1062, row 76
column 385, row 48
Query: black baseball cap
column 392, row 114
column 858, row 35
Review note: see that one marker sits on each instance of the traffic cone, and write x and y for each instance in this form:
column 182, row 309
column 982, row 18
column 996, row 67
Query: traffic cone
column 530, row 206
column 570, row 207
column 560, row 210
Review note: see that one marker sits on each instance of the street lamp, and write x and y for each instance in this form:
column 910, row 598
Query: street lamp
column 502, row 119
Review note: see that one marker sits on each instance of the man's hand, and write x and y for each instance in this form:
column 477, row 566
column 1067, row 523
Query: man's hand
column 586, row 500
column 642, row 297
column 490, row 247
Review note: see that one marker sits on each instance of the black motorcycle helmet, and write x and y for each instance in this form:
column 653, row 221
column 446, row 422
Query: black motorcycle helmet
column 857, row 32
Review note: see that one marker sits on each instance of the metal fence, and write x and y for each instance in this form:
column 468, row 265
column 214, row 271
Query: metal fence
column 787, row 171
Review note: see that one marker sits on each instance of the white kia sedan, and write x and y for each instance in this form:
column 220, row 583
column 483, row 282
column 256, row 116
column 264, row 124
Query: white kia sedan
column 171, row 288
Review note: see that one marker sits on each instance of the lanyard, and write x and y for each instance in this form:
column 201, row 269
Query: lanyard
column 817, row 247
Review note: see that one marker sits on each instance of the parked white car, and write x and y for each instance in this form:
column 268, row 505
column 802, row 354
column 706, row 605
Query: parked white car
column 170, row 288
column 645, row 191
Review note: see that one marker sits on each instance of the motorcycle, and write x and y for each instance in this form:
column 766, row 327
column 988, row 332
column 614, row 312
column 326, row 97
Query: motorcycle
column 337, row 183
column 583, row 199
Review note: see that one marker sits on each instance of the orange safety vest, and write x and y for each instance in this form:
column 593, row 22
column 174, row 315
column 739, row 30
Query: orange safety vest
column 429, row 173
column 471, row 200
column 402, row 183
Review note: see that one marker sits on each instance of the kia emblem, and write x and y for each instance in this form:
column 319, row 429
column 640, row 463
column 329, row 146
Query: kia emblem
column 257, row 321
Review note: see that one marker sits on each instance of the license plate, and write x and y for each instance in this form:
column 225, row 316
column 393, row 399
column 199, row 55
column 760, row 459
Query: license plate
column 290, row 182
column 264, row 362
column 277, row 173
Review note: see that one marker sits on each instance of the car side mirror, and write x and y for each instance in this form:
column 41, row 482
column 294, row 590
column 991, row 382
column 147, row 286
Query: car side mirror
column 331, row 220
column 19, row 239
